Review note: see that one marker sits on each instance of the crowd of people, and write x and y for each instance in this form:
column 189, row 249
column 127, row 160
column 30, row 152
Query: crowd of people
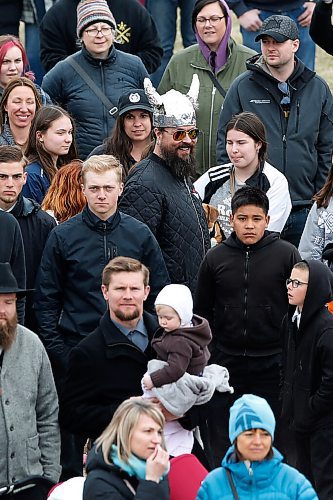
column 128, row 329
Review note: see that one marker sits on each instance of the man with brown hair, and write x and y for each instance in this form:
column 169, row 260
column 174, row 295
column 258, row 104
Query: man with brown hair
column 69, row 301
column 35, row 224
column 107, row 366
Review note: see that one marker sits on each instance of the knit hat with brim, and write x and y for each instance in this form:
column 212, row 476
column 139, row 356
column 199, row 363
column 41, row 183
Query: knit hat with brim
column 250, row 412
column 93, row 11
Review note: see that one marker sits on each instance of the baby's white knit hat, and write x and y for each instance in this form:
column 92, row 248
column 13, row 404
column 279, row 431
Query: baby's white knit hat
column 178, row 297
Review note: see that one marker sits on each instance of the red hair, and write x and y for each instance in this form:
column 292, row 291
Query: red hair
column 65, row 197
column 9, row 41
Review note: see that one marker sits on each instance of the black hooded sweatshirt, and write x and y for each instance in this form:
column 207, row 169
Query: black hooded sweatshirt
column 307, row 393
column 242, row 293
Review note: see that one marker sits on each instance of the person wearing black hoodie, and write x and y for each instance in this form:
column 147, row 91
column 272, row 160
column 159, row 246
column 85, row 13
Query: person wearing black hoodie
column 307, row 391
column 241, row 292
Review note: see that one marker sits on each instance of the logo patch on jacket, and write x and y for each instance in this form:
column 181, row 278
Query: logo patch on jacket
column 261, row 101
column 123, row 33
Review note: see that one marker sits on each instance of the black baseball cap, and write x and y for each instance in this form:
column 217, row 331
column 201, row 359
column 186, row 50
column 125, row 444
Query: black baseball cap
column 281, row 28
column 136, row 99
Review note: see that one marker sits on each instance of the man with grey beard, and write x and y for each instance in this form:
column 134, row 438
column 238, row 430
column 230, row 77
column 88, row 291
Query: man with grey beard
column 29, row 431
column 159, row 190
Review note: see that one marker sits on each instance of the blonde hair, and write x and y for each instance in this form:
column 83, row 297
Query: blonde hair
column 120, row 430
column 103, row 163
column 124, row 265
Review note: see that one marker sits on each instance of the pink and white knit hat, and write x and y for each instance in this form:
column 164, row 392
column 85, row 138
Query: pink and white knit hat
column 93, row 11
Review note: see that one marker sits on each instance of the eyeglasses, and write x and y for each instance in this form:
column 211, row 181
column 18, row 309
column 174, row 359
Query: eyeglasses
column 295, row 283
column 93, row 32
column 213, row 20
column 179, row 135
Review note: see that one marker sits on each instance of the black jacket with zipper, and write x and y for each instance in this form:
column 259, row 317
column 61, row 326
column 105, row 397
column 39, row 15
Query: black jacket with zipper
column 300, row 147
column 69, row 301
column 35, row 225
column 307, row 390
column 242, row 292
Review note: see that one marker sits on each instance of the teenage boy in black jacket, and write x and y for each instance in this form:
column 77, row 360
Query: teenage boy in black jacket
column 307, row 393
column 241, row 291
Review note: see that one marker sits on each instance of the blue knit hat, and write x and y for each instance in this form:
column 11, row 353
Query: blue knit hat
column 250, row 412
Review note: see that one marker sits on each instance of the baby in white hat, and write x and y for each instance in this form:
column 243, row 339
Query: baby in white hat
column 182, row 341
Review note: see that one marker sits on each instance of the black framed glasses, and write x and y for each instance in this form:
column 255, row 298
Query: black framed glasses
column 179, row 135
column 213, row 20
column 295, row 283
column 93, row 32
column 285, row 101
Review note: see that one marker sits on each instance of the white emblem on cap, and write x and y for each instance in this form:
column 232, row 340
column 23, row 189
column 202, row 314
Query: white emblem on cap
column 134, row 97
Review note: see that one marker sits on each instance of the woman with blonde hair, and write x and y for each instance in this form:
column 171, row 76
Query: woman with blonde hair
column 51, row 145
column 129, row 459
column 19, row 103
column 65, row 198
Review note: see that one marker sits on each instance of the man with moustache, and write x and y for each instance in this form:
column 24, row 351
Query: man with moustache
column 107, row 366
column 29, row 431
column 159, row 190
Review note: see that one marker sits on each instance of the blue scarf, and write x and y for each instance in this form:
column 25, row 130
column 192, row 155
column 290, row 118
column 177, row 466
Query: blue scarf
column 134, row 467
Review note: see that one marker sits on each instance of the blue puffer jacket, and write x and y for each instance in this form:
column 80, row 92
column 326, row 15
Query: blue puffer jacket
column 115, row 75
column 267, row 480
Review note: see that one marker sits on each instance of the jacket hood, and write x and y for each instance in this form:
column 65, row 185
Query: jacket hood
column 263, row 472
column 200, row 332
column 222, row 51
column 95, row 460
column 319, row 292
column 25, row 206
column 267, row 239
column 300, row 74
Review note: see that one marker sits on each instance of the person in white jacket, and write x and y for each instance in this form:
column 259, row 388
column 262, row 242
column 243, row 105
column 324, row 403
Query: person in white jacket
column 246, row 146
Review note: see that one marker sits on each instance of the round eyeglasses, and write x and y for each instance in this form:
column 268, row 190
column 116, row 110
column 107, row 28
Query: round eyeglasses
column 213, row 20
column 93, row 32
column 179, row 135
column 295, row 283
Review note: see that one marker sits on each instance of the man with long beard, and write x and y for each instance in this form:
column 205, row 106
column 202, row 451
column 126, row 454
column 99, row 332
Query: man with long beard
column 29, row 431
column 107, row 366
column 159, row 190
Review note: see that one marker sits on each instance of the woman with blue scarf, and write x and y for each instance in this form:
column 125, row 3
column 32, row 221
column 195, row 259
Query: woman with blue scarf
column 252, row 469
column 129, row 459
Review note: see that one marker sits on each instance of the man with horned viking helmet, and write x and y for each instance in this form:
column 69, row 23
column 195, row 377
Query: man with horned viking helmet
column 159, row 191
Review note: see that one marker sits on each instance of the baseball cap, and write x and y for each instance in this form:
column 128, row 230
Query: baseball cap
column 136, row 99
column 281, row 28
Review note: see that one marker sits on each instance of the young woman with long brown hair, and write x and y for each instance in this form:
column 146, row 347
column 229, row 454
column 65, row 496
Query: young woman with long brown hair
column 51, row 144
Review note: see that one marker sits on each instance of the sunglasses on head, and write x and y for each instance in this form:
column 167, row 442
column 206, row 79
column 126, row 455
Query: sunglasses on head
column 179, row 135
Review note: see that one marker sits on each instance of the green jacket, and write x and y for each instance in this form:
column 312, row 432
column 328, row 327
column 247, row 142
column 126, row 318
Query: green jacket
column 178, row 76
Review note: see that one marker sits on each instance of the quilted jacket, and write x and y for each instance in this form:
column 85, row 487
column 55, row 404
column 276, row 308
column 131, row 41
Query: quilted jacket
column 115, row 75
column 173, row 211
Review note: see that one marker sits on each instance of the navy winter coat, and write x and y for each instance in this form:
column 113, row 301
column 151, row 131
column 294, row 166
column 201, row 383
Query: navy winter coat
column 115, row 75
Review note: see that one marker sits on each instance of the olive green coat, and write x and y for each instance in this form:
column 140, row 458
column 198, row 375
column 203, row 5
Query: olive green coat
column 178, row 76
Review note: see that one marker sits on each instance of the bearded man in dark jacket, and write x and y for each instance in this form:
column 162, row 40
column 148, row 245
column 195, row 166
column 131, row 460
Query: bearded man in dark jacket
column 241, row 292
column 308, row 372
column 159, row 190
